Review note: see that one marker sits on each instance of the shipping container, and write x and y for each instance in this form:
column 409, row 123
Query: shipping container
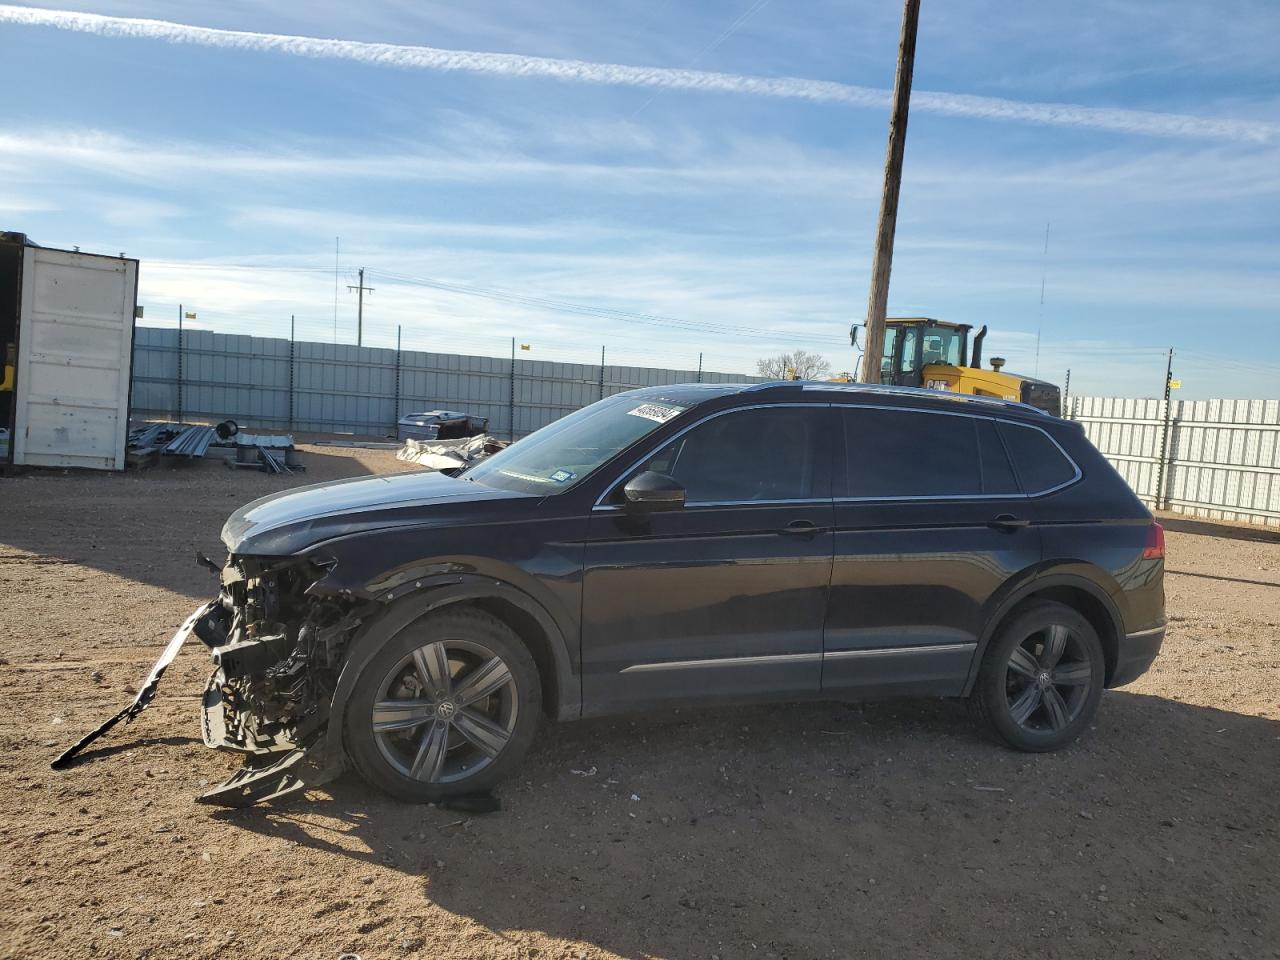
column 66, row 329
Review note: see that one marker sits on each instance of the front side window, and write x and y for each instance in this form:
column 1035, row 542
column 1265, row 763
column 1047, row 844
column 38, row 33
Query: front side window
column 904, row 453
column 557, row 457
column 768, row 453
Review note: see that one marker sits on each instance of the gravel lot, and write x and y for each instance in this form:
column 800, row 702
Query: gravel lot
column 820, row 830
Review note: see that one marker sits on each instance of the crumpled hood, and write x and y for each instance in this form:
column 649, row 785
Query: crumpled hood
column 286, row 523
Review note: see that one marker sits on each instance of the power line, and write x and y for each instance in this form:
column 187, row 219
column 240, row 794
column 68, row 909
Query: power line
column 506, row 296
column 184, row 265
column 725, row 34
column 1044, row 270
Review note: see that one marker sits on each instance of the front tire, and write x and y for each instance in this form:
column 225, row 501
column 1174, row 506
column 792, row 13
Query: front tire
column 448, row 707
column 1041, row 678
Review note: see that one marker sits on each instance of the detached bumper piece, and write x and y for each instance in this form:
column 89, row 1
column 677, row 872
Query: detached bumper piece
column 260, row 782
column 146, row 692
column 275, row 766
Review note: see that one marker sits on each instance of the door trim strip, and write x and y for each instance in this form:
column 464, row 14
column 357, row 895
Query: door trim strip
column 894, row 651
column 722, row 662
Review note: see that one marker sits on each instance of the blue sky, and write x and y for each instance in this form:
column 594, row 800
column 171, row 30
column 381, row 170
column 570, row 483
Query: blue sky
column 647, row 175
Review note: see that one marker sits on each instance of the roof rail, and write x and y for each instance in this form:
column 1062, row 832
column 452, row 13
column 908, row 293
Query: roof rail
column 923, row 393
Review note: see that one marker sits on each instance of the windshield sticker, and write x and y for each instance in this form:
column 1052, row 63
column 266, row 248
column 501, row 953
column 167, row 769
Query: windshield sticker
column 527, row 477
column 560, row 476
column 655, row 411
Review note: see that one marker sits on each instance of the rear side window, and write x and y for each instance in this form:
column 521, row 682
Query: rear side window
column 1040, row 464
column 901, row 453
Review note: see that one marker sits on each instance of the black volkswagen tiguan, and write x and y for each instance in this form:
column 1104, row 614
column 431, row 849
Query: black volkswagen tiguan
column 688, row 544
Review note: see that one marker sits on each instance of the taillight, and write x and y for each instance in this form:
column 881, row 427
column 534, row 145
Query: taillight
column 1154, row 549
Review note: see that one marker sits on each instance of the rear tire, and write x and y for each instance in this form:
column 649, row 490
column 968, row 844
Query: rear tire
column 448, row 707
column 1041, row 678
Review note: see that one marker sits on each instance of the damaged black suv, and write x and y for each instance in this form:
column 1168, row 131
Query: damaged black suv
column 684, row 544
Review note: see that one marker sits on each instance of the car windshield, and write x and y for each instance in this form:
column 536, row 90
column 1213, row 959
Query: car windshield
column 555, row 458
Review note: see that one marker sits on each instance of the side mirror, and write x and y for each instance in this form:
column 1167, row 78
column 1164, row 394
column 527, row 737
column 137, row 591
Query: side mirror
column 651, row 492
column 853, row 337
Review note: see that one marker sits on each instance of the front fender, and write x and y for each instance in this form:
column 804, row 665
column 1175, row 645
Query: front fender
column 416, row 600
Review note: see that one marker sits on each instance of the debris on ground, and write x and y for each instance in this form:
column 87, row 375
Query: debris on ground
column 270, row 453
column 441, row 425
column 445, row 455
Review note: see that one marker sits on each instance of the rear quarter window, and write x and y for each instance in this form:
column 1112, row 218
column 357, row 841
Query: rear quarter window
column 1040, row 463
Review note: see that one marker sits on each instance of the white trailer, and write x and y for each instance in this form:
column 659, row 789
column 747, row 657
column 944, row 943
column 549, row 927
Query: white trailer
column 74, row 353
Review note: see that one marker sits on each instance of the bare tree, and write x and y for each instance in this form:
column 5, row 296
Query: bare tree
column 797, row 365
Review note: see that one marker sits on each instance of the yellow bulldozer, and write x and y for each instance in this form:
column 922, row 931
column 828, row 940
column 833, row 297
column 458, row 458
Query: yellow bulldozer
column 923, row 352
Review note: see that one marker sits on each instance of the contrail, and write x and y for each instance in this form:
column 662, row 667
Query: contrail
column 1142, row 122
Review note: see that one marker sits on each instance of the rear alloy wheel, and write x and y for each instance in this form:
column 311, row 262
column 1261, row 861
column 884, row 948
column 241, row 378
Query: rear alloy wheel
column 1041, row 678
column 446, row 708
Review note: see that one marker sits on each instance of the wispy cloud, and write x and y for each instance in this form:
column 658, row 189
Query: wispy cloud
column 1140, row 122
column 150, row 162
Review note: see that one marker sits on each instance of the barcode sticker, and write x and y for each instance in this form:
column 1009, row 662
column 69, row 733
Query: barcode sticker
column 655, row 411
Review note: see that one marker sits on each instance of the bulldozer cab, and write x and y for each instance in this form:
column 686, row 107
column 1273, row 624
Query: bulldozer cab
column 911, row 344
column 923, row 352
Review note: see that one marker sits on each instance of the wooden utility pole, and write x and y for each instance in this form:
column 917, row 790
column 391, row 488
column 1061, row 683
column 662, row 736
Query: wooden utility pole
column 361, row 288
column 878, row 301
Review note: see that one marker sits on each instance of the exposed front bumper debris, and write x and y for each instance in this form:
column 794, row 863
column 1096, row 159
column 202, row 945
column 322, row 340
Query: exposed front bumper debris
column 278, row 648
column 146, row 692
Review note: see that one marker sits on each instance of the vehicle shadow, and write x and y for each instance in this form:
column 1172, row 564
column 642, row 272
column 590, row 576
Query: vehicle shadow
column 830, row 829
column 1208, row 528
column 129, row 746
column 1222, row 579
column 143, row 525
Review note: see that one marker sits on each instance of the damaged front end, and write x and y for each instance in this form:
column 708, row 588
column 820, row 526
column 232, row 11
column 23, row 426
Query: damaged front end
column 278, row 648
column 278, row 651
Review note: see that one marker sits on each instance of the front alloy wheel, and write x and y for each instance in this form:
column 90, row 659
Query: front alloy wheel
column 1041, row 678
column 447, row 707
column 445, row 711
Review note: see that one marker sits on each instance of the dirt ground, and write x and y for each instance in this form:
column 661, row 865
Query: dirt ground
column 819, row 830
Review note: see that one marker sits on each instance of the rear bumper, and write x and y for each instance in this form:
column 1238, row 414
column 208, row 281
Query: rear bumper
column 1136, row 653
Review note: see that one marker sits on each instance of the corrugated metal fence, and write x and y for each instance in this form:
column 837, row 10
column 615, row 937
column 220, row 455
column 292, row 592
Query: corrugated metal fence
column 1218, row 459
column 266, row 382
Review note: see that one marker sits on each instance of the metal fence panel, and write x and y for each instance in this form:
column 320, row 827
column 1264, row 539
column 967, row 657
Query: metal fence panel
column 268, row 382
column 1221, row 460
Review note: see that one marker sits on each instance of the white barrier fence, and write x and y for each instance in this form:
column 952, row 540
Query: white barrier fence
column 1216, row 459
